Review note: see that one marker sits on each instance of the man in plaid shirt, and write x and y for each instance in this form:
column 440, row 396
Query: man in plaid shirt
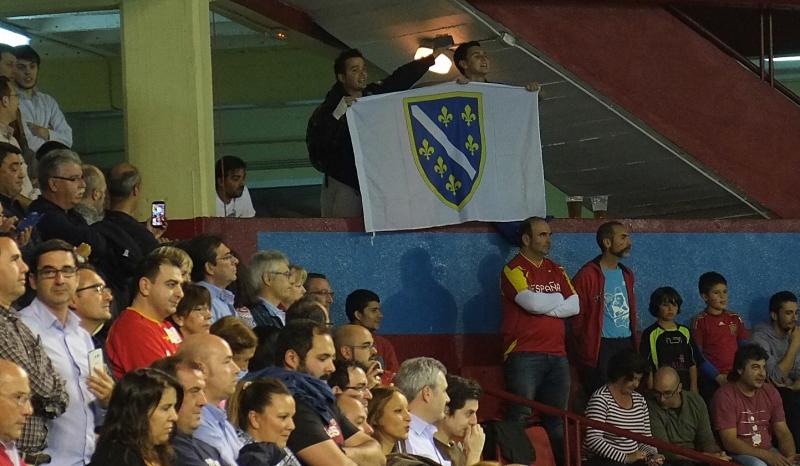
column 19, row 345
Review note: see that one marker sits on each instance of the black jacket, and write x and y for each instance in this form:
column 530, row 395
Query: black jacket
column 108, row 454
column 328, row 139
column 265, row 454
column 67, row 225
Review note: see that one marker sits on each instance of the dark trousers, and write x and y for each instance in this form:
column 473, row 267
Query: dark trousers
column 596, row 377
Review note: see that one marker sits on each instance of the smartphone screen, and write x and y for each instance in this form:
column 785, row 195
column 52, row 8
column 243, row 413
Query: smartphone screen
column 158, row 214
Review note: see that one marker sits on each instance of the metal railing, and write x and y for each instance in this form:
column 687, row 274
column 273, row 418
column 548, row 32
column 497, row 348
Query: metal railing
column 574, row 425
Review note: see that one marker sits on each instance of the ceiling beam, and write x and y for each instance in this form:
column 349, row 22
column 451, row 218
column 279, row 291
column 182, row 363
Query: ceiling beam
column 40, row 7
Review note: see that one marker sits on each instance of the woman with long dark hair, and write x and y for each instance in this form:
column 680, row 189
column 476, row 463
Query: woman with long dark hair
column 139, row 422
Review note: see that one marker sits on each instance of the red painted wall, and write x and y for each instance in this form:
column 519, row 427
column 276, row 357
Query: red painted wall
column 681, row 85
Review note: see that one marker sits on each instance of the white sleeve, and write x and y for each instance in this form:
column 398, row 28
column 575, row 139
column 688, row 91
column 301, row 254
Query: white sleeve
column 570, row 307
column 59, row 128
column 538, row 303
column 246, row 203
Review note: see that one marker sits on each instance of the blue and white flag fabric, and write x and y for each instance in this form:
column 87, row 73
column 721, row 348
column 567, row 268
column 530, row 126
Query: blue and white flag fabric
column 448, row 154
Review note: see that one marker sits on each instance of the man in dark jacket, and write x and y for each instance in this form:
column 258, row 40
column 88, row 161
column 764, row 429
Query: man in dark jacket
column 328, row 137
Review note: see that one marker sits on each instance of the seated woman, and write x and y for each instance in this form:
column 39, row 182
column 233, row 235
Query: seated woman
column 618, row 403
column 389, row 418
column 193, row 314
column 139, row 422
column 296, row 281
column 264, row 412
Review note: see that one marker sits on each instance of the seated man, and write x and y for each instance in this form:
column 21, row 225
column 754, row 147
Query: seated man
column 350, row 380
column 270, row 274
column 423, row 382
column 142, row 333
column 363, row 307
column 322, row 437
column 680, row 417
column 233, row 197
column 459, row 437
column 12, row 174
column 318, row 287
column 781, row 339
column 93, row 203
column 15, row 404
column 355, row 343
column 748, row 415
column 92, row 304
column 355, row 412
column 214, row 267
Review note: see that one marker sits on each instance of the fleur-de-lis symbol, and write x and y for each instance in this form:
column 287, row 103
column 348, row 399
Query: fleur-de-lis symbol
column 445, row 117
column 426, row 150
column 467, row 115
column 452, row 185
column 471, row 145
column 440, row 167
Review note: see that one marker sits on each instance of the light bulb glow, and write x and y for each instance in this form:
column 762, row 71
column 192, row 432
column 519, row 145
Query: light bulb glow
column 12, row 38
column 442, row 63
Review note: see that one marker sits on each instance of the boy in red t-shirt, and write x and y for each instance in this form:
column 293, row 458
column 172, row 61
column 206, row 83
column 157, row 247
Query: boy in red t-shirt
column 717, row 333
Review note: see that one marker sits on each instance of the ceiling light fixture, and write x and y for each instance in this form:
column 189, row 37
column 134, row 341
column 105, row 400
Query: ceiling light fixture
column 780, row 59
column 13, row 38
column 443, row 63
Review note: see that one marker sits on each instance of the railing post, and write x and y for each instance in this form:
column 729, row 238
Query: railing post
column 761, row 57
column 771, row 51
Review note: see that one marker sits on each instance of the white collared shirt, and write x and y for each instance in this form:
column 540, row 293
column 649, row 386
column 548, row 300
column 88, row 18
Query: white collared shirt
column 241, row 207
column 420, row 441
column 42, row 110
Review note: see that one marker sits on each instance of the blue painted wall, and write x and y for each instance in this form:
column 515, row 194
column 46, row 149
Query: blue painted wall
column 447, row 282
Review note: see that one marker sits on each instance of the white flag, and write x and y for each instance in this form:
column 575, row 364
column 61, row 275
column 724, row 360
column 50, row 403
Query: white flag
column 448, row 154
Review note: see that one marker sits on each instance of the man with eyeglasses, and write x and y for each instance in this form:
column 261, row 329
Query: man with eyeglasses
column 270, row 273
column 680, row 417
column 214, row 267
column 143, row 333
column 19, row 345
column 62, row 184
column 15, row 404
column 318, row 287
column 70, row 437
column 92, row 304
column 355, row 343
column 349, row 379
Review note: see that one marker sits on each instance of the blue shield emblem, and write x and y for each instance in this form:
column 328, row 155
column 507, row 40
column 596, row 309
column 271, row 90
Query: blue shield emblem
column 447, row 143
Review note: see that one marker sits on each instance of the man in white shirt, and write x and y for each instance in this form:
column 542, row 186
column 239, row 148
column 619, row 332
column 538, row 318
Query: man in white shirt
column 15, row 404
column 422, row 381
column 233, row 197
column 42, row 119
column 70, row 438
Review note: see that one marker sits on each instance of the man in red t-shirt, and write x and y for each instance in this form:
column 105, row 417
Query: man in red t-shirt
column 537, row 296
column 15, row 404
column 142, row 333
column 748, row 412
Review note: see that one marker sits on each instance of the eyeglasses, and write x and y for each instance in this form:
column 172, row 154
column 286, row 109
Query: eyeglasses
column 321, row 292
column 50, row 272
column 98, row 287
column 227, row 258
column 360, row 388
column 20, row 399
column 73, row 179
column 668, row 394
column 366, row 346
column 287, row 274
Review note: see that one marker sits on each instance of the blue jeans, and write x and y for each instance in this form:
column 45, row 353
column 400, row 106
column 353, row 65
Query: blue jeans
column 540, row 377
column 747, row 460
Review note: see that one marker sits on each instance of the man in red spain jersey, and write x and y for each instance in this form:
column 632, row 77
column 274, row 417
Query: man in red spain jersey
column 142, row 333
column 537, row 296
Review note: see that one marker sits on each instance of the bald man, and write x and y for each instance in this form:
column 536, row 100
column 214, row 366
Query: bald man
column 15, row 406
column 93, row 205
column 680, row 417
column 355, row 343
column 355, row 412
column 214, row 354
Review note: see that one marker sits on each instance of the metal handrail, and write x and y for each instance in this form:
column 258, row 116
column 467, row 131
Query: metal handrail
column 739, row 57
column 577, row 422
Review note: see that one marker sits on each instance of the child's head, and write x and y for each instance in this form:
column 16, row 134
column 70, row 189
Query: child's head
column 665, row 303
column 714, row 290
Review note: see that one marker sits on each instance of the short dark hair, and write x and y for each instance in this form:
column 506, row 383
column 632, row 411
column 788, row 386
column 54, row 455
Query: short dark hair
column 461, row 53
column 226, row 164
column 236, row 333
column 341, row 375
column 48, row 147
column 51, row 245
column 777, row 300
column 606, row 231
column 624, row 364
column 665, row 294
column 26, row 52
column 5, row 48
column 527, row 226
column 7, row 149
column 257, row 395
column 306, row 308
column 312, row 275
column 172, row 364
column 747, row 352
column 460, row 390
column 150, row 266
column 298, row 336
column 193, row 296
column 341, row 61
column 265, row 351
column 709, row 280
column 202, row 249
column 357, row 301
column 5, row 86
